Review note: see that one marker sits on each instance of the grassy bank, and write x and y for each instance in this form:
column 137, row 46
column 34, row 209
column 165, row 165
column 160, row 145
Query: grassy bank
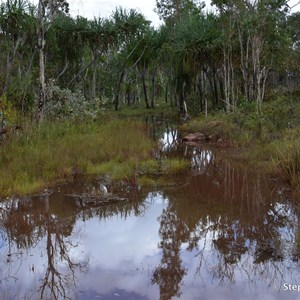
column 55, row 150
column 40, row 155
column 270, row 140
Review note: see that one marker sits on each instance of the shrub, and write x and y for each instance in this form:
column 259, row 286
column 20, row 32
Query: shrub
column 65, row 104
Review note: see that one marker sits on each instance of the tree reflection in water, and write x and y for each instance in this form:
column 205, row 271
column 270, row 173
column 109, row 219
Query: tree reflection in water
column 169, row 274
column 57, row 280
column 29, row 223
column 234, row 221
column 226, row 225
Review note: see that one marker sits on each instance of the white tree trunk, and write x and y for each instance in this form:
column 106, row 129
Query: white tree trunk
column 41, row 45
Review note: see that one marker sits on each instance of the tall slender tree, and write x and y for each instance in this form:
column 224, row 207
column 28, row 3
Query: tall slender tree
column 47, row 10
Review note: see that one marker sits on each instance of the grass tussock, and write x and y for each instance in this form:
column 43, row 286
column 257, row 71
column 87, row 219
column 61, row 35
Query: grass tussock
column 287, row 160
column 174, row 166
column 159, row 173
column 44, row 153
column 167, row 166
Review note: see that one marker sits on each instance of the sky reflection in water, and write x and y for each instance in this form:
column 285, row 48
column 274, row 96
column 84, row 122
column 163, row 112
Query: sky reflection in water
column 220, row 233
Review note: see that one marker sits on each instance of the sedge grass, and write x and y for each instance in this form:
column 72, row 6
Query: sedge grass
column 44, row 153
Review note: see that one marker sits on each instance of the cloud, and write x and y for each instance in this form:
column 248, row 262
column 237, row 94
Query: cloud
column 104, row 8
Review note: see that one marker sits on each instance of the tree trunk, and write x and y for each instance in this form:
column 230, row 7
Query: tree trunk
column 128, row 95
column 145, row 91
column 41, row 45
column 153, row 92
column 166, row 94
column 204, row 92
column 94, row 81
column 212, row 89
column 215, row 88
column 118, row 89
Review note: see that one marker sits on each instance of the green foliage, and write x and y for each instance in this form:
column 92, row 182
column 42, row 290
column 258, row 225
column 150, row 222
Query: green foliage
column 22, row 100
column 287, row 157
column 172, row 10
column 194, row 58
column 63, row 104
column 276, row 116
column 8, row 114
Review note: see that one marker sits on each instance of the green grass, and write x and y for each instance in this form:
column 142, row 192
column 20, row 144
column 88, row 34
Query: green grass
column 43, row 154
column 167, row 166
column 174, row 166
column 116, row 169
column 51, row 151
column 286, row 159
column 155, row 173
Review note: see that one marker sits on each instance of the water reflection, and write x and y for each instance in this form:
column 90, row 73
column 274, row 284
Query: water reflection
column 164, row 132
column 26, row 224
column 223, row 232
column 201, row 158
column 169, row 140
column 41, row 231
column 237, row 226
column 170, row 272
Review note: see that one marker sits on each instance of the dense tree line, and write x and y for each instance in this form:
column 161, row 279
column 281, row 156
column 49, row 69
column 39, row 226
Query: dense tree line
column 52, row 62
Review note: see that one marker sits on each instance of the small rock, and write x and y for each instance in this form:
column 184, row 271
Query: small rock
column 103, row 188
column 195, row 137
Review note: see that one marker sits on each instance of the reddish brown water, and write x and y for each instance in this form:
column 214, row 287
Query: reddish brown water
column 218, row 232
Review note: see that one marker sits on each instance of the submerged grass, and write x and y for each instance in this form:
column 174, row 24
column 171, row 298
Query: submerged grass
column 42, row 154
column 159, row 173
column 167, row 166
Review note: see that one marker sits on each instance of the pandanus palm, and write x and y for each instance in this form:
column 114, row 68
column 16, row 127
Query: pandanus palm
column 129, row 29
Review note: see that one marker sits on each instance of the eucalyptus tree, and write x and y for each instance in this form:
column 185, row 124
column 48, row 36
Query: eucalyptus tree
column 254, row 37
column 229, row 46
column 293, row 60
column 262, row 25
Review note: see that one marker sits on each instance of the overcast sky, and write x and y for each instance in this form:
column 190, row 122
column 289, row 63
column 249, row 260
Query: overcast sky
column 104, row 8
